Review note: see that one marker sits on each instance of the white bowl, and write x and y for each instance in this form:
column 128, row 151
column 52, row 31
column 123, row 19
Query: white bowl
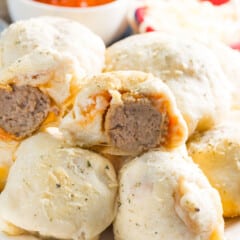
column 108, row 20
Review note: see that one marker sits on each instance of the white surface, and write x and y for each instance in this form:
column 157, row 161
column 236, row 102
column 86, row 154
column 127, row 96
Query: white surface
column 232, row 233
column 109, row 19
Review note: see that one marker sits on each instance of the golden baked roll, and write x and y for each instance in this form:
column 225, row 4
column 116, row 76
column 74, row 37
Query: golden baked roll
column 190, row 69
column 217, row 153
column 42, row 62
column 57, row 191
column 229, row 60
column 164, row 195
column 124, row 113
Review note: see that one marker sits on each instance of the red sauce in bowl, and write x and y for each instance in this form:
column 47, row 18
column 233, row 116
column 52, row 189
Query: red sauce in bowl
column 217, row 2
column 75, row 3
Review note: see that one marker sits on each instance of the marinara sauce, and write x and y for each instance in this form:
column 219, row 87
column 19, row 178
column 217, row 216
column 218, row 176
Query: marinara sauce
column 217, row 2
column 75, row 3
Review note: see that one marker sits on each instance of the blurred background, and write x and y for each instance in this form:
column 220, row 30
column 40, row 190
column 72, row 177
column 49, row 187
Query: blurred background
column 3, row 10
column 108, row 21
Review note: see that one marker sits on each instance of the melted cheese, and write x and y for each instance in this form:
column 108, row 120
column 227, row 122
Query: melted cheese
column 5, row 136
column 3, row 176
column 217, row 153
column 7, row 153
column 176, row 127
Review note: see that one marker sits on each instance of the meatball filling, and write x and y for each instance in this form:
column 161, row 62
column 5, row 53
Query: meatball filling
column 22, row 110
column 136, row 125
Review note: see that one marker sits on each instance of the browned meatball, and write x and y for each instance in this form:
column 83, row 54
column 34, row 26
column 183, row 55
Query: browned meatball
column 136, row 125
column 22, row 110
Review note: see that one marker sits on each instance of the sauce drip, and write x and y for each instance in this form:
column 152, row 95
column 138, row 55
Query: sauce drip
column 75, row 3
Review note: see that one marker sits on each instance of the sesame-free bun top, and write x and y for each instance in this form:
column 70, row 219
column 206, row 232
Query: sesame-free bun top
column 164, row 195
column 42, row 62
column 58, row 191
column 50, row 53
column 217, row 151
column 190, row 69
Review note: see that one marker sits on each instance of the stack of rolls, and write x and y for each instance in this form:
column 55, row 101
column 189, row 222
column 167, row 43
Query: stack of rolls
column 150, row 105
column 193, row 73
column 41, row 68
column 131, row 113
column 190, row 69
column 53, row 189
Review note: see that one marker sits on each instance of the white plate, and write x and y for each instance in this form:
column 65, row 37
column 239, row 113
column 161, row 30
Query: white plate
column 232, row 233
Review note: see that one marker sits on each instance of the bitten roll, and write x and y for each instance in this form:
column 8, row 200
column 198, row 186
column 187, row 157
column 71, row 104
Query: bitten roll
column 124, row 113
